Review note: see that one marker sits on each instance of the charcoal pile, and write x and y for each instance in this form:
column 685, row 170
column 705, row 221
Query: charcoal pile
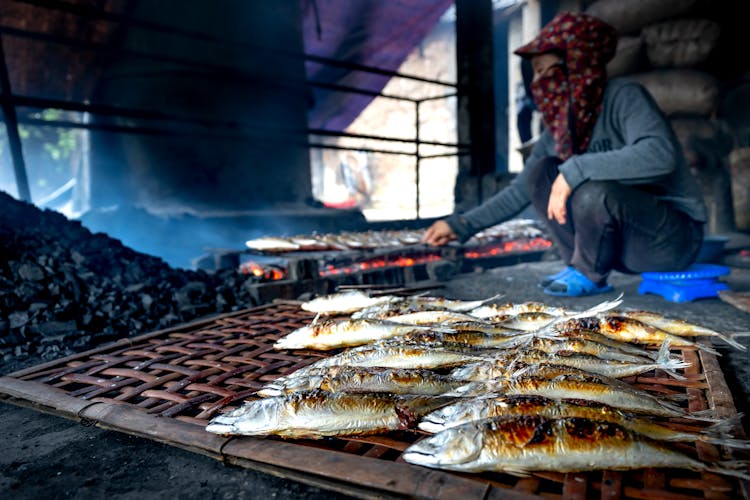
column 64, row 289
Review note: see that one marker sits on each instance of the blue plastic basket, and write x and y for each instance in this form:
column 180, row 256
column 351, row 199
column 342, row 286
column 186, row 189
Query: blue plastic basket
column 698, row 281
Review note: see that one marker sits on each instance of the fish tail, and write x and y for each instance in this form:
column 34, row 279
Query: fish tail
column 742, row 444
column 707, row 349
column 729, row 339
column 735, row 468
column 727, row 425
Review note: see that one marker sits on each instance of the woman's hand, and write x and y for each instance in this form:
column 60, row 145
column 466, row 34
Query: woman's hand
column 558, row 197
column 439, row 233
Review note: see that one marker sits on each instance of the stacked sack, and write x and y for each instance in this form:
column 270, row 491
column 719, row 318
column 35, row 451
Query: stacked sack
column 663, row 46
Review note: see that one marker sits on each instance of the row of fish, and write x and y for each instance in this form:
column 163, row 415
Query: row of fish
column 510, row 230
column 513, row 388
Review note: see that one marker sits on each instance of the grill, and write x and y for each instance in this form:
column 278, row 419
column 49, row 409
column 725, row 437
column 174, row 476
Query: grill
column 166, row 385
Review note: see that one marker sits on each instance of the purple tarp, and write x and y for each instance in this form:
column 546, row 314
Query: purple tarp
column 379, row 33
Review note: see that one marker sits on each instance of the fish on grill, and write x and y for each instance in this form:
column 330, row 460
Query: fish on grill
column 392, row 355
column 561, row 382
column 345, row 302
column 629, row 330
column 520, row 445
column 491, row 406
column 678, row 327
column 332, row 334
column 317, row 414
column 505, row 360
column 366, row 379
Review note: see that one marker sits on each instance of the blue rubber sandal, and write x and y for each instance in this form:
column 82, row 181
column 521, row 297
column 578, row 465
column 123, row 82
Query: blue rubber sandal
column 547, row 280
column 575, row 284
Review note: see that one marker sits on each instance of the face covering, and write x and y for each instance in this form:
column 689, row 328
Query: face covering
column 570, row 106
column 570, row 95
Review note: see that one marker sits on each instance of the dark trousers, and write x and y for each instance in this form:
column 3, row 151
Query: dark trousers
column 610, row 225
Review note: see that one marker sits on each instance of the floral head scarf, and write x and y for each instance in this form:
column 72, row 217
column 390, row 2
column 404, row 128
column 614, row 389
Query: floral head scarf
column 570, row 96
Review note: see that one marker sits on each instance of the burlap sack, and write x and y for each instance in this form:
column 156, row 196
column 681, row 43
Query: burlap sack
column 629, row 58
column 681, row 91
column 680, row 43
column 628, row 16
column 739, row 163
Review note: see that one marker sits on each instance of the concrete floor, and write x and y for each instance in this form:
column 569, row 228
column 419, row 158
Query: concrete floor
column 49, row 457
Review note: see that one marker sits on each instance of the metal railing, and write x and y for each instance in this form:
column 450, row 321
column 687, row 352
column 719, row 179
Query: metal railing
column 189, row 125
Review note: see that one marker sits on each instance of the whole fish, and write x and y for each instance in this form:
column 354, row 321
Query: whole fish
column 345, row 302
column 593, row 336
column 553, row 345
column 586, row 362
column 332, row 334
column 491, row 311
column 678, row 327
column 436, row 317
column 630, row 330
column 560, row 382
column 491, row 406
column 524, row 444
column 417, row 304
column 392, row 355
column 272, row 244
column 366, row 380
column 466, row 339
column 527, row 321
column 317, row 414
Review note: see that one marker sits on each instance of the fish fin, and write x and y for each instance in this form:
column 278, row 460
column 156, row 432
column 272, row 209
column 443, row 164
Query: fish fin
column 735, row 468
column 666, row 363
column 517, row 472
column 593, row 311
column 493, row 298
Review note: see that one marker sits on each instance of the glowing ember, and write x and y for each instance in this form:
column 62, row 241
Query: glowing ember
column 378, row 263
column 507, row 247
column 265, row 273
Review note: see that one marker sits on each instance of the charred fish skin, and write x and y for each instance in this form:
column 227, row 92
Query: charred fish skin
column 521, row 445
column 317, row 414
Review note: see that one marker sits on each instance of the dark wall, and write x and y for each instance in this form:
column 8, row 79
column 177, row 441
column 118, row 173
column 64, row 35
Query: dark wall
column 242, row 103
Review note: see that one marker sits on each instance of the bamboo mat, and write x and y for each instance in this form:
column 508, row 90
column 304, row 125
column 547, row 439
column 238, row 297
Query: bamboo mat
column 166, row 385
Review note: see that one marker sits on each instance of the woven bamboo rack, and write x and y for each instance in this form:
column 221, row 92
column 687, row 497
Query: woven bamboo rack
column 167, row 385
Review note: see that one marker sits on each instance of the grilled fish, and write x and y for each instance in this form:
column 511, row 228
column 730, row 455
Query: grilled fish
column 392, row 355
column 586, row 362
column 331, row 334
column 521, row 445
column 491, row 311
column 630, row 330
column 491, row 406
column 317, row 414
column 560, row 382
column 678, row 327
column 345, row 302
column 366, row 380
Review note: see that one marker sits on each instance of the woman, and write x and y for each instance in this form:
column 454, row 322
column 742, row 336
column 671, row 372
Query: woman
column 607, row 174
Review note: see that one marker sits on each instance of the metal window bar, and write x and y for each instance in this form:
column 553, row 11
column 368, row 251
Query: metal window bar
column 9, row 102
